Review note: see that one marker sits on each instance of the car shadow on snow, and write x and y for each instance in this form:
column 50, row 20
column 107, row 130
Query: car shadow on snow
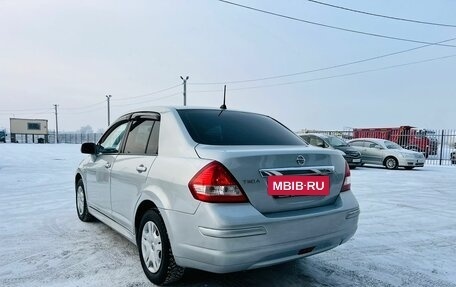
column 285, row 274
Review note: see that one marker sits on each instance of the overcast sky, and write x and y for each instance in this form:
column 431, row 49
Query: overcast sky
column 73, row 53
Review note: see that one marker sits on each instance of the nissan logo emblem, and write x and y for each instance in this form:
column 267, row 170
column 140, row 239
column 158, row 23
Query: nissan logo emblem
column 300, row 160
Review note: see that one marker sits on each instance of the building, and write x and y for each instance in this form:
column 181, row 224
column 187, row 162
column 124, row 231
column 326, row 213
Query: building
column 25, row 130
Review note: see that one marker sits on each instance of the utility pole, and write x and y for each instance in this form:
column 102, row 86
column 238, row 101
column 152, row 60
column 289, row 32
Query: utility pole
column 185, row 89
column 108, row 97
column 56, row 125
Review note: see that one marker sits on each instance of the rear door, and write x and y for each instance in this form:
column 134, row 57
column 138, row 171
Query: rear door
column 132, row 166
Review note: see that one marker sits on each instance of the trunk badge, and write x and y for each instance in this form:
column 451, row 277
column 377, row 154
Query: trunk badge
column 300, row 160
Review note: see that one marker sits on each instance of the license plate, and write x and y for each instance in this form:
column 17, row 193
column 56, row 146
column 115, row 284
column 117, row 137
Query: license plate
column 356, row 160
column 287, row 185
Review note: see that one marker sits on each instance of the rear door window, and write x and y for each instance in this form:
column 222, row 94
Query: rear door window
column 139, row 135
column 373, row 145
column 357, row 143
column 224, row 127
column 316, row 141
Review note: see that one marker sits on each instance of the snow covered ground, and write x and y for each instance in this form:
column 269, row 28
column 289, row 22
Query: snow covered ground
column 406, row 234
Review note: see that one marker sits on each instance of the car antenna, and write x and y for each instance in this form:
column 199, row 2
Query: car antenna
column 223, row 107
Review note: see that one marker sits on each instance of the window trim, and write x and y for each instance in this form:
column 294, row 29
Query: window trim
column 158, row 140
column 126, row 118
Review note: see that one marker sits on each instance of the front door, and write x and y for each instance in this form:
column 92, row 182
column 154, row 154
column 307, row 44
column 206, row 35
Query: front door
column 98, row 174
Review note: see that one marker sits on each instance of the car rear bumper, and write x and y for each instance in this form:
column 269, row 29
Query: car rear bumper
column 225, row 238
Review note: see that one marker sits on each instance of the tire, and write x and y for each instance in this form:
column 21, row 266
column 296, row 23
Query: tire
column 391, row 163
column 81, row 203
column 408, row 167
column 352, row 166
column 162, row 268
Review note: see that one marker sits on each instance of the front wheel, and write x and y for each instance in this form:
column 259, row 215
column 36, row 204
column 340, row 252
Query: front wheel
column 81, row 203
column 155, row 253
column 409, row 167
column 391, row 163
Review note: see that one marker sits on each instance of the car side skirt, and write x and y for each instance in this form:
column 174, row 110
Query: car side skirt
column 112, row 224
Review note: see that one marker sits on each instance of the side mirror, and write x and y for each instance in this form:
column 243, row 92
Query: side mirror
column 89, row 148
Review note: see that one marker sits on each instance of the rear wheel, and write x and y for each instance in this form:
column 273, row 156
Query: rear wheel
column 157, row 259
column 81, row 203
column 391, row 163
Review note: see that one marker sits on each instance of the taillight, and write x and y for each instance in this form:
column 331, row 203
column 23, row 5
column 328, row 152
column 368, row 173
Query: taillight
column 347, row 179
column 214, row 183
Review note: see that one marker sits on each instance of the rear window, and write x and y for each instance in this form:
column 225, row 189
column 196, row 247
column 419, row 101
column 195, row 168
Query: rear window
column 213, row 127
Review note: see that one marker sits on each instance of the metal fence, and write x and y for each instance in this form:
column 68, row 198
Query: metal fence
column 439, row 146
column 75, row 138
column 69, row 138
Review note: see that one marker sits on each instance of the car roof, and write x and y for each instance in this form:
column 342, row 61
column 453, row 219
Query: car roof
column 368, row 139
column 162, row 109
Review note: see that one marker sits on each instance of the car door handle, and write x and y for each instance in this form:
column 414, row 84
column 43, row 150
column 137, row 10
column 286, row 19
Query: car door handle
column 108, row 165
column 141, row 168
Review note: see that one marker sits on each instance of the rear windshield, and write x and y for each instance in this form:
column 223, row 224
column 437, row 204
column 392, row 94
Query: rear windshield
column 213, row 127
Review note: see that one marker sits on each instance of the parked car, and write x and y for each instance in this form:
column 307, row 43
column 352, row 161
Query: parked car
column 195, row 187
column 351, row 155
column 387, row 153
column 453, row 154
column 408, row 137
column 3, row 136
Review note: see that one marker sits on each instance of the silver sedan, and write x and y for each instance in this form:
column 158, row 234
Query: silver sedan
column 387, row 153
column 214, row 189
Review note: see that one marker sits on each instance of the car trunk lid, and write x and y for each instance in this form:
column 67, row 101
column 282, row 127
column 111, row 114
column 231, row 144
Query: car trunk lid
column 252, row 165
